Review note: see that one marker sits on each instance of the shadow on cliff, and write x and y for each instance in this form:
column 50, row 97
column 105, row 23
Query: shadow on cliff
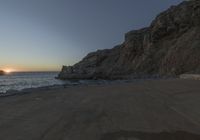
column 126, row 135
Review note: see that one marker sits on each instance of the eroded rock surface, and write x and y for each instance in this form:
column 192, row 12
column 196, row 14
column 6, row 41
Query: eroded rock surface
column 169, row 46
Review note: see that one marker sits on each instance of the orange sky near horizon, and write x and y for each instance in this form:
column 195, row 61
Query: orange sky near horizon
column 28, row 69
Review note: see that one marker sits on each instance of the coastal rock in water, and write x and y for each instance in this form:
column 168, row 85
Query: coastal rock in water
column 2, row 72
column 169, row 46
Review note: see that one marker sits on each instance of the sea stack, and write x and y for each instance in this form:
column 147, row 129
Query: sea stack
column 170, row 46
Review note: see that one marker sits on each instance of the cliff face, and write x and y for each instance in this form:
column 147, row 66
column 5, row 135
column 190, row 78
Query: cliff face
column 169, row 46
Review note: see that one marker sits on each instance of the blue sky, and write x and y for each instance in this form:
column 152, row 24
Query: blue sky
column 43, row 35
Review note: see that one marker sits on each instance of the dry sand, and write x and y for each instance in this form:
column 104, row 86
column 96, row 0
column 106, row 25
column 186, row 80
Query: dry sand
column 150, row 110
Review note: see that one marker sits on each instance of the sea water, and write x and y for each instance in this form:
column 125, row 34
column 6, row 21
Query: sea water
column 24, row 80
column 18, row 81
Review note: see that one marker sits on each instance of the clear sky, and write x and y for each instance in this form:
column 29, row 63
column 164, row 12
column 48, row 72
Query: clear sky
column 43, row 35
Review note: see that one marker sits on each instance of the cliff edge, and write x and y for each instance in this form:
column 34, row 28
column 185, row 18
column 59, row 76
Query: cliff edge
column 169, row 46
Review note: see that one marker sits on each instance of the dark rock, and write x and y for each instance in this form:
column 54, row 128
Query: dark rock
column 170, row 46
column 2, row 72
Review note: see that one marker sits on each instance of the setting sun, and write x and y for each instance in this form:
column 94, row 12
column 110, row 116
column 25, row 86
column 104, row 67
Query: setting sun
column 8, row 70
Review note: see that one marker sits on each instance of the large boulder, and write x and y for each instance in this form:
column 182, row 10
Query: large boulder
column 170, row 46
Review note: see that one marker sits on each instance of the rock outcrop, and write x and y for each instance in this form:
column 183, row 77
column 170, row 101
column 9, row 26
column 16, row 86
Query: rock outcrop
column 169, row 46
column 2, row 72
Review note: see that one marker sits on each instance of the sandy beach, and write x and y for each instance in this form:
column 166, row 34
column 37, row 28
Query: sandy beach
column 149, row 110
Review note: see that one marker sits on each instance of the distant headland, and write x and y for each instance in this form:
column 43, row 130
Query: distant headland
column 2, row 72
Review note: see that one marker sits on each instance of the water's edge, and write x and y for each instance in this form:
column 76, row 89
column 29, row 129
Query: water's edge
column 68, row 84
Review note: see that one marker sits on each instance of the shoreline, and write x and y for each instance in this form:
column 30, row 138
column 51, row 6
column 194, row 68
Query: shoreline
column 74, row 83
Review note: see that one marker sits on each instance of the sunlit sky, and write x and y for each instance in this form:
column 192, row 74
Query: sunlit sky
column 43, row 35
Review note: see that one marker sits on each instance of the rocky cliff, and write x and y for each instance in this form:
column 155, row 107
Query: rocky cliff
column 169, row 46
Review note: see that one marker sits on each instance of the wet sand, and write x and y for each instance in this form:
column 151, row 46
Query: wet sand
column 149, row 110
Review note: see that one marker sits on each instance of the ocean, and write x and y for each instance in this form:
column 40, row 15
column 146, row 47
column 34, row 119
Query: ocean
column 18, row 81
column 23, row 80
